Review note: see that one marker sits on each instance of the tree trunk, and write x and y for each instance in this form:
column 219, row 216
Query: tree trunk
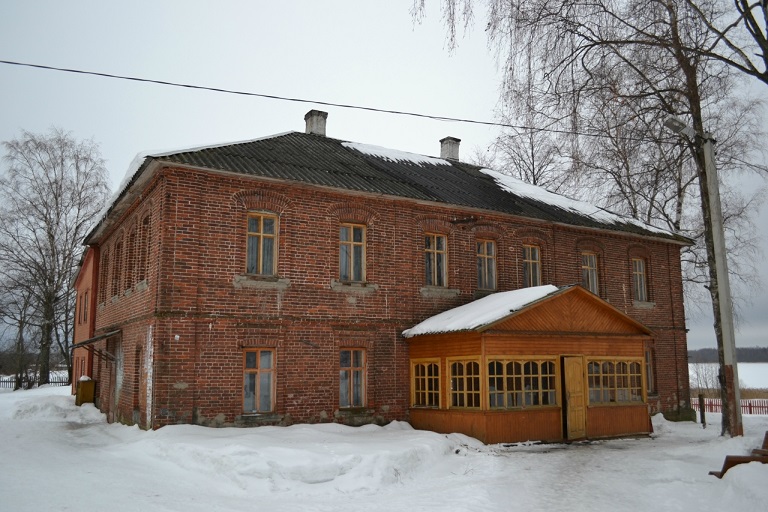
column 689, row 68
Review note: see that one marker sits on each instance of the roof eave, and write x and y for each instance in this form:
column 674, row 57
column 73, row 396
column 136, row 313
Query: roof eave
column 132, row 190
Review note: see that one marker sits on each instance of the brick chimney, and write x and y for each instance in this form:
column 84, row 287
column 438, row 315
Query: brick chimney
column 316, row 122
column 449, row 148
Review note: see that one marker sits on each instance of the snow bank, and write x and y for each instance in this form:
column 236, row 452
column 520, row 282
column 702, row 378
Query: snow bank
column 63, row 457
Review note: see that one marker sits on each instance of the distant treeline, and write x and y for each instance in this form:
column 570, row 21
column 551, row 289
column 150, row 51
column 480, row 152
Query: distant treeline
column 743, row 355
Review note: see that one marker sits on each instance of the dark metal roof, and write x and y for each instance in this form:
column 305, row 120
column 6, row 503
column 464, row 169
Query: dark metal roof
column 320, row 160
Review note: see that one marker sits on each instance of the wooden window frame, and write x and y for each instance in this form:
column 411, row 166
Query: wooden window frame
column 257, row 267
column 82, row 313
column 531, row 265
column 348, row 255
column 260, row 372
column 347, row 375
column 537, row 389
column 589, row 271
column 487, row 269
column 639, row 279
column 465, row 389
column 650, row 370
column 435, row 274
column 425, row 386
column 615, row 381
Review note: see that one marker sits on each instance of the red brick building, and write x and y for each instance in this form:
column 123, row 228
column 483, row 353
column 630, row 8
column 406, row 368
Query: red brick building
column 270, row 281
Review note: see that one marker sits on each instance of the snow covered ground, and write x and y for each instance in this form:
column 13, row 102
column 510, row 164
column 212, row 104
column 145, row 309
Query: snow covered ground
column 59, row 457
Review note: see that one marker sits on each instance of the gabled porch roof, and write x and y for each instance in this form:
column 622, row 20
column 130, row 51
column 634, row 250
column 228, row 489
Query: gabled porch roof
column 545, row 308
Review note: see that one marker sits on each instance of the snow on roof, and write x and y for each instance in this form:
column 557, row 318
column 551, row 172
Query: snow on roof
column 394, row 155
column 481, row 312
column 521, row 188
column 504, row 182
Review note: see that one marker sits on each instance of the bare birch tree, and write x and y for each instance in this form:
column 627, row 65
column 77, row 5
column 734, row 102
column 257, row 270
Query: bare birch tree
column 739, row 36
column 51, row 191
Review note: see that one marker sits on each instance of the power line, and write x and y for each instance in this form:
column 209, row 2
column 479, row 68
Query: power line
column 302, row 100
column 758, row 167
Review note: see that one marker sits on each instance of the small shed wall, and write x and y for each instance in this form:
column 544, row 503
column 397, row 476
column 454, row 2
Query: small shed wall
column 617, row 420
column 493, row 427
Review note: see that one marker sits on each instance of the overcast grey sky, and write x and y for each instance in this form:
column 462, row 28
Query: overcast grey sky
column 351, row 52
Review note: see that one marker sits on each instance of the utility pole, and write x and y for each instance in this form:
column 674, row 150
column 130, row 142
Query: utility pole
column 729, row 374
column 723, row 306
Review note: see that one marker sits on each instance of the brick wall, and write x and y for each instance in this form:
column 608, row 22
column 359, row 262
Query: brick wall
column 85, row 310
column 196, row 310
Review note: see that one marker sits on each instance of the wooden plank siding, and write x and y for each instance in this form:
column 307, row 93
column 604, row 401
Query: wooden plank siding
column 448, row 345
column 617, row 420
column 546, row 344
column 492, row 427
column 572, row 313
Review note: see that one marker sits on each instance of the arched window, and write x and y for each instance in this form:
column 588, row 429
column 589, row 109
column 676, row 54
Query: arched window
column 117, row 268
column 639, row 280
column 261, row 246
column 352, row 242
column 435, row 259
column 144, row 246
column 103, row 274
column 130, row 257
column 486, row 264
column 531, row 265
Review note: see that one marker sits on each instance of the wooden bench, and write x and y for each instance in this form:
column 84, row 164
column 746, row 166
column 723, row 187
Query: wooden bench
column 763, row 450
column 735, row 460
column 758, row 455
